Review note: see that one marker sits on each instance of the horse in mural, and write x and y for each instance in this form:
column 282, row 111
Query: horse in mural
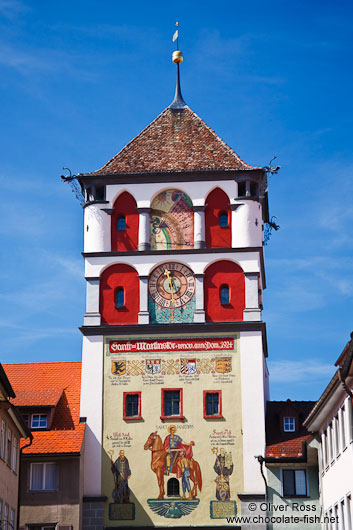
column 158, row 465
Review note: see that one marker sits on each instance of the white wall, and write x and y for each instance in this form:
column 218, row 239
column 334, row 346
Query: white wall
column 91, row 408
column 253, row 405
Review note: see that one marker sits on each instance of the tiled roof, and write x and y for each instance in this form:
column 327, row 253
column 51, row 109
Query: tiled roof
column 280, row 444
column 176, row 141
column 52, row 379
column 288, row 449
column 38, row 398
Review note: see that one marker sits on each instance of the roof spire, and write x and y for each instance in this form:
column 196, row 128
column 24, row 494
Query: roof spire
column 177, row 57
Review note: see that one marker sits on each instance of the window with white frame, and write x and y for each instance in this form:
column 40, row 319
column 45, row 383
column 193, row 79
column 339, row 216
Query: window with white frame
column 343, row 426
column 12, row 519
column 43, row 477
column 289, row 424
column 342, row 516
column 349, row 511
column 15, row 454
column 337, row 435
column 6, row 517
column 0, row 509
column 324, row 450
column 3, row 440
column 330, row 440
column 294, row 483
column 9, row 447
column 39, row 421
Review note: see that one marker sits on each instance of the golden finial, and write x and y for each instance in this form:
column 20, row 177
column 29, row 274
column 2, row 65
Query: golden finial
column 177, row 56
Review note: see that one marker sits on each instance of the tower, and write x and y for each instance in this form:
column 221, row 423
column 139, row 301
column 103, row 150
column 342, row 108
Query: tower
column 174, row 376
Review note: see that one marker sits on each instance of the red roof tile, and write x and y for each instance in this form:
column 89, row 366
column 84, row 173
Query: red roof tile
column 288, row 449
column 51, row 379
column 175, row 141
column 37, row 398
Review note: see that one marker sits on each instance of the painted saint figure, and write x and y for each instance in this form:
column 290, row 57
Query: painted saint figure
column 224, row 468
column 173, row 443
column 121, row 472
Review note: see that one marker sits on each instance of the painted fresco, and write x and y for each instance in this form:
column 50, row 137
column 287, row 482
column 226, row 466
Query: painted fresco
column 172, row 471
column 171, row 294
column 171, row 221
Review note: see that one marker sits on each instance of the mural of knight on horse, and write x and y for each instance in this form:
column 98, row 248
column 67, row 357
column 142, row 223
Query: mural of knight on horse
column 174, row 456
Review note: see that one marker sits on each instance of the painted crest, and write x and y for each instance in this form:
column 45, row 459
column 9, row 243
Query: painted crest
column 118, row 367
column 188, row 366
column 223, row 365
column 172, row 509
column 153, row 366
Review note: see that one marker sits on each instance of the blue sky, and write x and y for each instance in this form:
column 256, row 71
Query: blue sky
column 78, row 80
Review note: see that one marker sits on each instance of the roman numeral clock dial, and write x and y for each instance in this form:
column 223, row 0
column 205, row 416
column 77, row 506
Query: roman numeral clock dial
column 171, row 293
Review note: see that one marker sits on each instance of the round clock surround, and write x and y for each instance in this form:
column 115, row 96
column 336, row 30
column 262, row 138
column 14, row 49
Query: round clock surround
column 171, row 285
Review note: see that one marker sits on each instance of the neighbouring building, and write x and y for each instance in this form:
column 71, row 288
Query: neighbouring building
column 292, row 465
column 174, row 375
column 13, row 429
column 51, row 478
column 331, row 420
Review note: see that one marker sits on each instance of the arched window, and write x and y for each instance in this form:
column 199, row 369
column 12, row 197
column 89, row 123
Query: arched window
column 119, row 297
column 223, row 219
column 124, row 223
column 121, row 223
column 218, row 220
column 224, row 289
column 224, row 294
column 173, row 488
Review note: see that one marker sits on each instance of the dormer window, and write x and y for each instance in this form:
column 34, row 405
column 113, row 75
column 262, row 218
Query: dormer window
column 39, row 421
column 121, row 223
column 223, row 220
column 289, row 424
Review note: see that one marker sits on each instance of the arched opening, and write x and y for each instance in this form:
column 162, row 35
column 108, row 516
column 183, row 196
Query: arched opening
column 173, row 487
column 117, row 304
column 218, row 220
column 224, row 289
column 124, row 223
column 171, row 221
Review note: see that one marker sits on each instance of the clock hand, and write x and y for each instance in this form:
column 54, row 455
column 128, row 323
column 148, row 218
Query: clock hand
column 167, row 274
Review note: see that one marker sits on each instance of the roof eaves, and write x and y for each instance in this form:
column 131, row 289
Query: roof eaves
column 322, row 399
column 6, row 383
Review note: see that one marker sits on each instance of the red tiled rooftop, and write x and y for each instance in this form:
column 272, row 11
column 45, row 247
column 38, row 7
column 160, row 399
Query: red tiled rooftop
column 175, row 141
column 288, row 449
column 37, row 398
column 31, row 379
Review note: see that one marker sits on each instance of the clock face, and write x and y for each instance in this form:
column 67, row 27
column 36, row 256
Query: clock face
column 171, row 285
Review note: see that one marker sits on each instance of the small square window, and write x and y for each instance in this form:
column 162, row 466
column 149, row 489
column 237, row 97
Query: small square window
column 132, row 405
column 289, row 424
column 212, row 404
column 121, row 225
column 223, row 220
column 43, row 477
column 224, row 294
column 119, row 298
column 172, row 403
column 294, row 483
column 39, row 421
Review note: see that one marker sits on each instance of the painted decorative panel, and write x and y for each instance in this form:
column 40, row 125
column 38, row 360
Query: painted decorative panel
column 171, row 221
column 162, row 469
